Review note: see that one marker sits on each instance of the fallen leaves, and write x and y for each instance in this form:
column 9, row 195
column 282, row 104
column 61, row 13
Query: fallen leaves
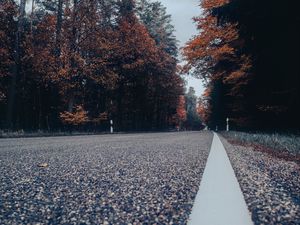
column 43, row 165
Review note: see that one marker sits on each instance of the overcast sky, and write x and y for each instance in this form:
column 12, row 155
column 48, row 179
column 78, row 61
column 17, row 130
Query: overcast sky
column 182, row 12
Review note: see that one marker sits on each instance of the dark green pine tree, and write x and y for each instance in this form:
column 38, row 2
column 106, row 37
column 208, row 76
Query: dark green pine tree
column 159, row 24
column 193, row 121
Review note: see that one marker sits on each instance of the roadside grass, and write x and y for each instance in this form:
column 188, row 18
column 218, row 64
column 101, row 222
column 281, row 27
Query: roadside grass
column 275, row 141
column 40, row 133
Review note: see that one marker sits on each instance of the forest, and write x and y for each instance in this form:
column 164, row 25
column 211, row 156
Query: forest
column 248, row 54
column 77, row 64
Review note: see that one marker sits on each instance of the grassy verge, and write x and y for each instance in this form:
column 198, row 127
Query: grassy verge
column 21, row 134
column 278, row 142
column 24, row 134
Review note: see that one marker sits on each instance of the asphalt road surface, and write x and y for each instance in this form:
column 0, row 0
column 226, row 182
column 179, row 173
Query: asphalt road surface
column 112, row 179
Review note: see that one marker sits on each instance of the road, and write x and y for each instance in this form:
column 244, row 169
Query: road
column 112, row 179
column 219, row 200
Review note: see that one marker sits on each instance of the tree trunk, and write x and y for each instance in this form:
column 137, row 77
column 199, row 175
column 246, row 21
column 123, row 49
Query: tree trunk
column 58, row 28
column 31, row 19
column 71, row 104
column 16, row 66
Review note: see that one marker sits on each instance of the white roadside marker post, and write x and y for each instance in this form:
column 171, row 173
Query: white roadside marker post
column 227, row 125
column 111, row 126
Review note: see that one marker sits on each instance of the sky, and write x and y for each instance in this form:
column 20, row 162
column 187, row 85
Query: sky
column 182, row 12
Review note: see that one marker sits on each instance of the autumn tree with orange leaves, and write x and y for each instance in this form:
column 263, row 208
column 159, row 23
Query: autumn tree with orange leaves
column 180, row 116
column 272, row 94
column 214, row 56
column 78, row 117
column 84, row 59
column 250, row 68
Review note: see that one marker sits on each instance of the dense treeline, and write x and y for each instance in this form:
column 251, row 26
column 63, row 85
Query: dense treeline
column 248, row 54
column 79, row 63
column 192, row 121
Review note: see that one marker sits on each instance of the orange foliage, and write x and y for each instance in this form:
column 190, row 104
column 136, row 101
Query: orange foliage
column 136, row 49
column 214, row 55
column 79, row 117
column 84, row 56
column 210, row 4
column 44, row 61
column 102, row 117
column 181, row 111
column 210, row 46
column 203, row 107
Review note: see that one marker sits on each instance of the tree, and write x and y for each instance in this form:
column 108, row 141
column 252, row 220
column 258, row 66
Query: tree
column 192, row 118
column 17, row 61
column 145, row 70
column 166, row 86
column 214, row 55
column 154, row 16
column 239, row 52
column 79, row 117
column 180, row 116
column 8, row 10
column 96, row 54
column 203, row 108
column 273, row 92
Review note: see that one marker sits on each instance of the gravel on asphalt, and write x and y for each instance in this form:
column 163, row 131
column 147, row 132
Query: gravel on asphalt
column 271, row 185
column 108, row 179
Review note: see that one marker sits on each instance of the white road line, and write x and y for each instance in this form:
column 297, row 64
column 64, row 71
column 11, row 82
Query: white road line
column 219, row 200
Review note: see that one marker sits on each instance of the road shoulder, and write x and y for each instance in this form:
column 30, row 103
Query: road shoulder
column 270, row 184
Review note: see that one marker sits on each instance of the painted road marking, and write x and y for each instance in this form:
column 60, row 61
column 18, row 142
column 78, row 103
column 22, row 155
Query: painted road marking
column 219, row 200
